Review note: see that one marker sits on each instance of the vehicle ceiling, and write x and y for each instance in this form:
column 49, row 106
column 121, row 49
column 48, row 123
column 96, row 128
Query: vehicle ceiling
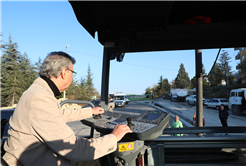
column 134, row 26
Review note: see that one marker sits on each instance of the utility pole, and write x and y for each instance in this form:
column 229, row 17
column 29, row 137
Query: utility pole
column 64, row 94
column 199, row 88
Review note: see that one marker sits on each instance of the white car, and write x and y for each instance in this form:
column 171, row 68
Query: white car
column 192, row 99
column 127, row 100
column 215, row 103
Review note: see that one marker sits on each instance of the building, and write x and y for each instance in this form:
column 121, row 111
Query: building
column 242, row 57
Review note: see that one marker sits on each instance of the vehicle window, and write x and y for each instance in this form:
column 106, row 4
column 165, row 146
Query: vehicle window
column 232, row 94
column 216, row 101
column 223, row 100
column 240, row 94
column 6, row 114
column 119, row 97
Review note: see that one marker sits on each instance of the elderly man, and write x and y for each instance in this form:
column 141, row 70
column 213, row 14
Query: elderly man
column 176, row 124
column 39, row 134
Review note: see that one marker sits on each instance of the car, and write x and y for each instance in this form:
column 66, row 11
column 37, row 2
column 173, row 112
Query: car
column 127, row 100
column 205, row 103
column 216, row 102
column 5, row 115
column 192, row 100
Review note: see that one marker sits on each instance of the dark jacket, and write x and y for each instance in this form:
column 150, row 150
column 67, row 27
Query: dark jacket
column 223, row 114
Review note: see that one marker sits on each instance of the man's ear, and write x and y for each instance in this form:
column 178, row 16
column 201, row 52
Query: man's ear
column 64, row 73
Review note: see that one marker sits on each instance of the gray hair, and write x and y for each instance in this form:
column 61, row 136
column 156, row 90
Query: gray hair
column 54, row 63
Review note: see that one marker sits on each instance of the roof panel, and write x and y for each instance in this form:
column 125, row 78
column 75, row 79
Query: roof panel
column 135, row 26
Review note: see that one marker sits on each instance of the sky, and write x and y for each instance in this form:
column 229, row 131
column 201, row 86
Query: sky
column 40, row 27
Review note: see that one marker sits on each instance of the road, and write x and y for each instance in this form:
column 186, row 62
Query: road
column 211, row 115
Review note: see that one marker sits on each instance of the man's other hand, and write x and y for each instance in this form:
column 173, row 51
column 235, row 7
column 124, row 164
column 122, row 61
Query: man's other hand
column 120, row 131
column 97, row 110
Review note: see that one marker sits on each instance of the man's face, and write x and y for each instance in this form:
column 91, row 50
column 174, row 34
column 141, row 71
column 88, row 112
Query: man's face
column 222, row 107
column 69, row 78
column 176, row 119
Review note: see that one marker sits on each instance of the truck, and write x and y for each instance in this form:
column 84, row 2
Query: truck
column 178, row 94
column 237, row 101
column 119, row 99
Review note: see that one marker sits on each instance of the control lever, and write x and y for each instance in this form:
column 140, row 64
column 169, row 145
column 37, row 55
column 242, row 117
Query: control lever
column 98, row 117
column 130, row 124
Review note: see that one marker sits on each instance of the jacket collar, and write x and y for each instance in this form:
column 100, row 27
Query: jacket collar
column 52, row 86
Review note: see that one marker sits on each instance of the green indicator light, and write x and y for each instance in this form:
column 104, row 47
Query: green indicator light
column 159, row 120
column 155, row 112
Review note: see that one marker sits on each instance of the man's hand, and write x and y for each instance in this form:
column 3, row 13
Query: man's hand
column 120, row 131
column 97, row 110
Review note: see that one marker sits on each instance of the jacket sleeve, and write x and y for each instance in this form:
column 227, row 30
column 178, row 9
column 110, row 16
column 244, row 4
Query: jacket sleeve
column 180, row 124
column 76, row 114
column 49, row 126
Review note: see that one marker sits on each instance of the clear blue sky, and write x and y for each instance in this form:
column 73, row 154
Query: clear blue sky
column 42, row 27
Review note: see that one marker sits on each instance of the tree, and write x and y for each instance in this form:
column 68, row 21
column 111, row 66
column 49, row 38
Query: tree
column 182, row 80
column 224, row 61
column 89, row 86
column 166, row 86
column 38, row 65
column 27, row 70
column 243, row 67
column 173, row 85
column 11, row 88
column 193, row 80
column 215, row 76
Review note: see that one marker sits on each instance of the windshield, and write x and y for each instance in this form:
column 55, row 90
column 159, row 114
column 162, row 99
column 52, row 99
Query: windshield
column 119, row 97
column 223, row 100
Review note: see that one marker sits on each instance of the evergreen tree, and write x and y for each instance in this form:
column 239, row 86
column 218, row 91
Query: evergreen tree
column 160, row 87
column 215, row 76
column 182, row 80
column 166, row 87
column 37, row 66
column 89, row 86
column 27, row 70
column 11, row 88
column 242, row 70
column 224, row 61
column 193, row 82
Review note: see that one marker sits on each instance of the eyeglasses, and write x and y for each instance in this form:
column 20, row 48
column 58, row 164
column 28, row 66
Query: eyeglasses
column 72, row 71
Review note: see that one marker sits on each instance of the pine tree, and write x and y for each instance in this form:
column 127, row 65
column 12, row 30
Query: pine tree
column 160, row 87
column 11, row 88
column 224, row 61
column 27, row 70
column 242, row 71
column 215, row 76
column 182, row 80
column 166, row 86
column 89, row 86
column 37, row 66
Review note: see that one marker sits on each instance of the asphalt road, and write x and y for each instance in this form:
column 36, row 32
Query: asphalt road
column 211, row 115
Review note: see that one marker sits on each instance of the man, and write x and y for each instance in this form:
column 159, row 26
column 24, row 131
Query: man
column 223, row 115
column 176, row 124
column 39, row 134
